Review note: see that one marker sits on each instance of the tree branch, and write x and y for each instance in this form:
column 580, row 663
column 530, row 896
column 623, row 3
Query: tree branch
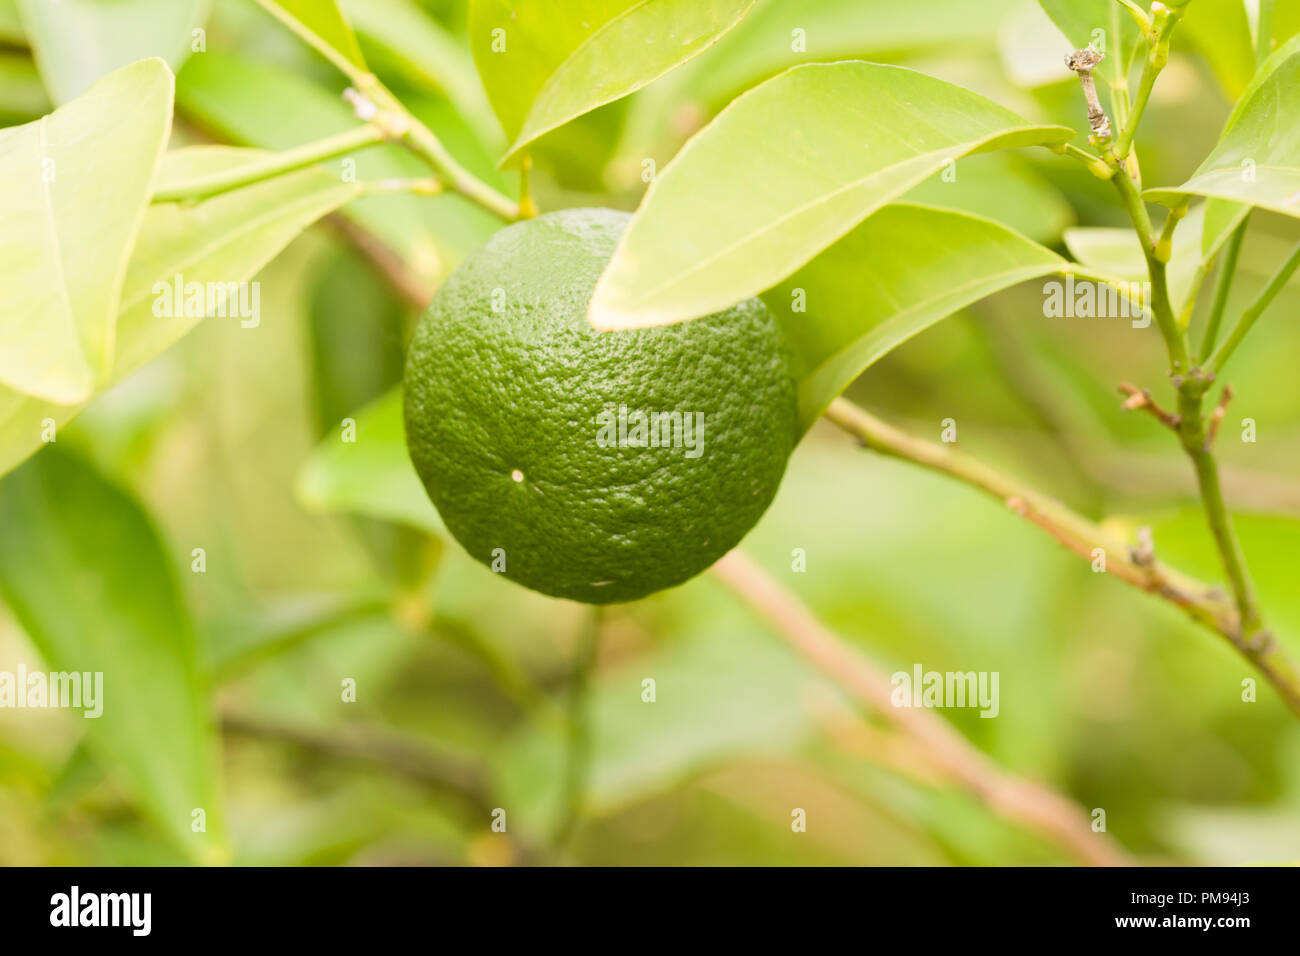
column 1200, row 601
column 1023, row 802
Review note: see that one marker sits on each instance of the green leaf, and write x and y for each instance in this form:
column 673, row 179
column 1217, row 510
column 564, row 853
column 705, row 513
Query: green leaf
column 11, row 25
column 1257, row 160
column 371, row 476
column 22, row 97
column 783, row 172
column 78, row 41
column 94, row 586
column 1103, row 24
column 225, row 239
column 76, row 183
column 1220, row 31
column 322, row 23
column 898, row 273
column 545, row 64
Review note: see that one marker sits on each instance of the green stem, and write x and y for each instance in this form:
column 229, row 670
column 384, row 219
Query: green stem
column 414, row 134
column 272, row 165
column 1257, row 308
column 579, row 753
column 1084, row 537
column 1222, row 288
column 1161, row 306
column 1162, row 24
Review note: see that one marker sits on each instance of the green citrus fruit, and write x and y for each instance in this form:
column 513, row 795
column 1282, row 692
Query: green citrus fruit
column 597, row 466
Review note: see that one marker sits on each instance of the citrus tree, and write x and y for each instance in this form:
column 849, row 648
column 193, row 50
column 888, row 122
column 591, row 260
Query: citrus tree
column 801, row 213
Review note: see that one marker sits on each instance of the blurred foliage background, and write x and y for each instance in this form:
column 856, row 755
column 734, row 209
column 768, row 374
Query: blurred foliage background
column 463, row 679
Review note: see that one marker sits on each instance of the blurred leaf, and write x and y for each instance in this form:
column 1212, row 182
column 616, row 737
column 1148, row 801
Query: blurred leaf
column 371, row 476
column 723, row 689
column 1286, row 22
column 427, row 55
column 11, row 24
column 779, row 34
column 543, row 65
column 1118, row 253
column 1103, row 24
column 1257, row 160
column 324, row 21
column 78, row 41
column 22, row 97
column 1002, row 187
column 227, row 238
column 77, row 183
column 898, row 273
column 1221, row 218
column 94, row 587
column 784, row 172
column 1220, row 31
column 357, row 336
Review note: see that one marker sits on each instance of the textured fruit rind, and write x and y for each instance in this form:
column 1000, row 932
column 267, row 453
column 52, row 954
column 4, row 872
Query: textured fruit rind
column 506, row 383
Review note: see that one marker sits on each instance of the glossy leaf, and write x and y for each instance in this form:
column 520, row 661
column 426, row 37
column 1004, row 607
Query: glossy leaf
column 324, row 21
column 545, row 64
column 76, row 184
column 95, row 588
column 227, row 238
column 1257, row 160
column 371, row 476
column 895, row 275
column 78, row 41
column 787, row 169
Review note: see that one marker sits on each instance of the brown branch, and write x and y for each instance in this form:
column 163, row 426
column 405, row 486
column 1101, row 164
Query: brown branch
column 1023, row 802
column 1140, row 398
column 1204, row 604
column 1216, row 417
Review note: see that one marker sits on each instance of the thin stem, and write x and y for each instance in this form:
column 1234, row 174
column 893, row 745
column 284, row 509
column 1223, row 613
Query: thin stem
column 274, row 164
column 1096, row 165
column 1141, row 16
column 1161, row 306
column 420, row 140
column 1223, row 287
column 1201, row 602
column 340, row 62
column 412, row 133
column 1257, row 308
column 1022, row 802
column 1162, row 24
column 579, row 720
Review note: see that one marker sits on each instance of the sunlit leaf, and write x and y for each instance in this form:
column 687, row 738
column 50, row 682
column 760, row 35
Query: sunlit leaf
column 323, row 20
column 1220, row 31
column 371, row 476
column 78, row 41
column 94, row 586
column 227, row 238
column 898, row 273
column 787, row 169
column 1257, row 160
column 76, row 184
column 544, row 64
